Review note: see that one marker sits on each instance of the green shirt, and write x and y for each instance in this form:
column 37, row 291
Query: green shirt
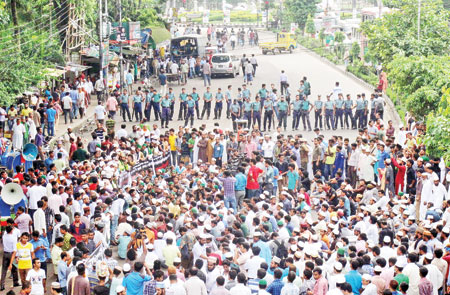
column 329, row 105
column 165, row 103
column 190, row 103
column 268, row 105
column 124, row 98
column 194, row 96
column 256, row 106
column 297, row 104
column 235, row 107
column 157, row 97
column 137, row 98
column 245, row 93
column 207, row 96
column 318, row 104
column 219, row 96
column 305, row 105
column 348, row 104
column 171, row 96
column 148, row 98
column 283, row 106
column 262, row 93
column 360, row 105
column 339, row 103
column 247, row 106
column 183, row 97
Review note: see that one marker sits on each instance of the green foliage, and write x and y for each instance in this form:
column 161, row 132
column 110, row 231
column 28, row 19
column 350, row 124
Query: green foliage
column 145, row 11
column 160, row 34
column 366, row 73
column 355, row 51
column 298, row 10
column 419, row 81
column 339, row 37
column 322, row 35
column 316, row 46
column 217, row 16
column 310, row 27
column 396, row 33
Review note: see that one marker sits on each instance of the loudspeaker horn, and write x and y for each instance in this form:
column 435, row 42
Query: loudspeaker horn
column 12, row 193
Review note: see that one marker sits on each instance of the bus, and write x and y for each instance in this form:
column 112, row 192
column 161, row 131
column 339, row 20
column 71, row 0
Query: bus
column 188, row 45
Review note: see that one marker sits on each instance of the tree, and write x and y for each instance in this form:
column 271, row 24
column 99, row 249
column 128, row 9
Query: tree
column 355, row 51
column 322, row 35
column 299, row 10
column 395, row 34
column 310, row 27
column 339, row 37
column 418, row 81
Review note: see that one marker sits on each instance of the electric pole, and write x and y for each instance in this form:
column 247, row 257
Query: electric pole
column 120, row 47
column 100, row 37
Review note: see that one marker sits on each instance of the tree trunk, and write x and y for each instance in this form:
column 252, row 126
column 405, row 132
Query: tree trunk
column 14, row 17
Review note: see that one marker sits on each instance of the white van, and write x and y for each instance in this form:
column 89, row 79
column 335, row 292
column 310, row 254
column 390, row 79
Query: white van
column 225, row 64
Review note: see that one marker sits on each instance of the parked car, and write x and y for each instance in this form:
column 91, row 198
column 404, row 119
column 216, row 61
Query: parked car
column 225, row 64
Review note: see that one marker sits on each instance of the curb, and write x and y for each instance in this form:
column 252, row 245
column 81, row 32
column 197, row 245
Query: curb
column 389, row 104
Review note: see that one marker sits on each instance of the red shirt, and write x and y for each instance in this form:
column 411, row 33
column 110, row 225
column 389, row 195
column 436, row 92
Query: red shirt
column 252, row 177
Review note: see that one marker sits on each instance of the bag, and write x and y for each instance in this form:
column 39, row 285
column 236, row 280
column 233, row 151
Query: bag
column 281, row 251
column 185, row 252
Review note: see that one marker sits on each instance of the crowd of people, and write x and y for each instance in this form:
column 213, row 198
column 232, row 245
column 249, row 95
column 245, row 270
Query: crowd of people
column 248, row 209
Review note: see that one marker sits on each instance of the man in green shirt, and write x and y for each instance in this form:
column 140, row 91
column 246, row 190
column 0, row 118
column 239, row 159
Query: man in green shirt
column 124, row 105
column 306, row 109
column 156, row 99
column 359, row 113
column 263, row 94
column 190, row 111
column 235, row 110
column 248, row 111
column 219, row 104
column 256, row 112
column 137, row 106
column 207, row 98
column 282, row 112
column 79, row 155
column 339, row 103
column 195, row 98
column 318, row 107
column 183, row 105
column 165, row 116
column 171, row 96
column 348, row 113
column 268, row 112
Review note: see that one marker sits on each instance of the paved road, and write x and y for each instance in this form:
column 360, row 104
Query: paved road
column 300, row 63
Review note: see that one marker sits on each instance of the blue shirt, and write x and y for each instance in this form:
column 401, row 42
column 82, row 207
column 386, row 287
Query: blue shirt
column 48, row 162
column 218, row 151
column 122, row 248
column 265, row 253
column 241, row 182
column 134, row 283
column 62, row 273
column 51, row 113
column 292, row 179
column 276, row 172
column 355, row 280
column 381, row 156
column 41, row 253
column 275, row 287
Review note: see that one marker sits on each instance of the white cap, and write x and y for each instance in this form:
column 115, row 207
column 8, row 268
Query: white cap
column 387, row 239
column 340, row 279
column 429, row 256
column 120, row 288
column 367, row 277
column 378, row 269
column 338, row 266
column 400, row 263
column 126, row 267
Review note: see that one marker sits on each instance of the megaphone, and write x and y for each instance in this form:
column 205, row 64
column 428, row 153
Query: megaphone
column 12, row 193
column 30, row 152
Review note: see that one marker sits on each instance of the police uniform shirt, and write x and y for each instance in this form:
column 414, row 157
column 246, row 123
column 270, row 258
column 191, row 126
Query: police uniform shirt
column 190, row 103
column 207, row 96
column 329, row 104
column 305, row 105
column 194, row 96
column 318, row 104
column 297, row 105
column 263, row 93
column 156, row 97
column 235, row 107
column 165, row 103
column 245, row 93
column 171, row 96
column 339, row 103
column 219, row 96
column 247, row 106
column 149, row 97
column 256, row 106
column 348, row 104
column 124, row 98
column 282, row 106
column 228, row 96
column 183, row 97
column 137, row 99
column 360, row 104
column 268, row 104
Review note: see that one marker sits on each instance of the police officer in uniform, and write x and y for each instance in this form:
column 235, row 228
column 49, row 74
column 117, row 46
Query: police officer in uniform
column 329, row 113
column 268, row 113
column 247, row 106
column 156, row 99
column 263, row 94
column 348, row 112
column 190, row 111
column 124, row 105
column 306, row 109
column 137, row 106
column 366, row 110
column 372, row 107
column 171, row 96
column 195, row 98
column 207, row 97
column 339, row 104
column 282, row 112
column 229, row 100
column 183, row 99
column 296, row 112
column 256, row 112
column 359, row 113
column 148, row 103
column 165, row 115
column 318, row 107
column 219, row 104
column 235, row 110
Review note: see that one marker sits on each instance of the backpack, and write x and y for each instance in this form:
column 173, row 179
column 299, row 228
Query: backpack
column 307, row 88
column 281, row 251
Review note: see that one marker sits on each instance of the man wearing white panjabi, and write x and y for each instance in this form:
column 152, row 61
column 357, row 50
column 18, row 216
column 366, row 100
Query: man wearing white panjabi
column 439, row 192
column 17, row 138
column 426, row 194
column 365, row 168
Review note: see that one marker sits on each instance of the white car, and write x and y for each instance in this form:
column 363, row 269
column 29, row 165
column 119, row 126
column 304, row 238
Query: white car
column 225, row 64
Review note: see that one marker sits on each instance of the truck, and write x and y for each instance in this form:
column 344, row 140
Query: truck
column 285, row 42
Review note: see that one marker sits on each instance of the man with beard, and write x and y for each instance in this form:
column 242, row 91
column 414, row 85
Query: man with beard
column 212, row 273
column 199, row 249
